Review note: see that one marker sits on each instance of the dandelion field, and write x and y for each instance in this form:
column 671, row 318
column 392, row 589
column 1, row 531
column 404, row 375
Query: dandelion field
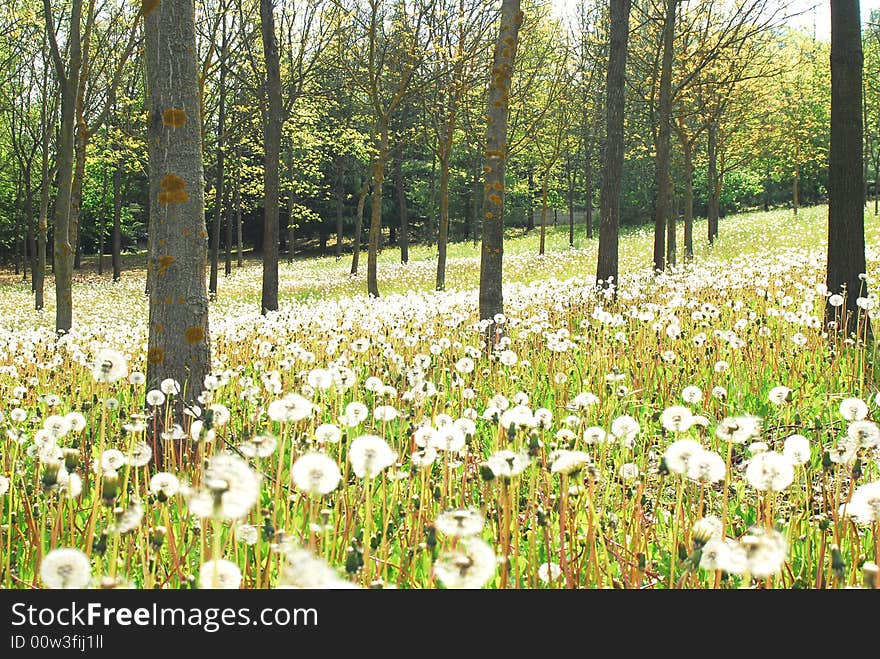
column 701, row 431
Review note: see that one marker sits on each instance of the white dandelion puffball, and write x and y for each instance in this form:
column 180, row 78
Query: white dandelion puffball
column 4, row 485
column 219, row 574
column 291, row 408
column 109, row 365
column 563, row 461
column 797, row 449
column 679, row 454
column 770, row 471
column 460, row 523
column 230, row 488
column 369, row 455
column 469, row 566
column 864, row 506
column 853, row 409
column 676, row 418
column 315, row 473
column 779, row 395
column 66, row 568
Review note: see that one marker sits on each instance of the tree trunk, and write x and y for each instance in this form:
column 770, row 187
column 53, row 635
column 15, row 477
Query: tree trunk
column 179, row 344
column 846, row 215
column 117, row 222
column 227, row 264
column 340, row 205
column 29, row 252
column 612, row 167
column 570, row 177
column 543, row 212
column 530, row 212
column 443, row 234
column 403, row 238
column 220, row 189
column 767, row 182
column 358, row 225
column 61, row 232
column 476, row 201
column 39, row 276
column 795, row 193
column 272, row 152
column 495, row 159
column 291, row 226
column 376, row 214
column 588, row 185
column 713, row 205
column 663, row 139
column 103, row 224
column 239, row 242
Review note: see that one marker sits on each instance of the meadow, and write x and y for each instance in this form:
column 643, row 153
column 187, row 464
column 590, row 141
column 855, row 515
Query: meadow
column 703, row 430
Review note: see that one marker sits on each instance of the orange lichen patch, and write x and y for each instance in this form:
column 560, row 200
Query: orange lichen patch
column 498, row 185
column 518, row 18
column 203, row 233
column 489, row 215
column 159, row 328
column 505, row 52
column 186, row 233
column 164, row 262
column 149, row 6
column 172, row 189
column 167, row 299
column 156, row 355
column 174, row 117
column 509, row 40
column 194, row 334
column 181, row 300
column 495, row 199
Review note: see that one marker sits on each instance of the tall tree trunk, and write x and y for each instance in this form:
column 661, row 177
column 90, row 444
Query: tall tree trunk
column 29, row 256
column 403, row 212
column 846, row 215
column 588, row 185
column 227, row 262
column 443, row 234
column 117, row 222
column 103, row 224
column 219, row 188
column 530, row 211
column 272, row 153
column 712, row 183
column 291, row 224
column 688, row 201
column 340, row 205
column 570, row 176
column 663, row 138
column 495, row 160
column 543, row 212
column 358, row 225
column 179, row 344
column 61, row 231
column 376, row 211
column 476, row 201
column 239, row 242
column 612, row 167
column 39, row 277
column 767, row 182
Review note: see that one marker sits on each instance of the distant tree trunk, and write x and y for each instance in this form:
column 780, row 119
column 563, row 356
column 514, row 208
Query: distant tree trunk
column 117, row 222
column 340, row 205
column 81, row 142
column 29, row 255
column 588, row 184
column 103, row 224
column 767, row 181
column 239, row 242
column 543, row 211
column 443, row 235
column 530, row 212
column 220, row 188
column 291, row 226
column 227, row 264
column 612, row 167
column 272, row 153
column 570, row 180
column 68, row 78
column 664, row 180
column 400, row 187
column 376, row 211
column 178, row 345
column 358, row 225
column 712, row 179
column 688, row 202
column 477, row 201
column 846, row 215
column 495, row 159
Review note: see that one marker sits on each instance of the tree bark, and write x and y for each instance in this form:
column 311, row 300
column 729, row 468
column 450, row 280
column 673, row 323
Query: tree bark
column 570, row 181
column 272, row 152
column 530, row 211
column 340, row 205
column 612, row 167
column 846, row 215
column 543, row 212
column 179, row 344
column 116, row 259
column 403, row 212
column 239, row 242
column 39, row 275
column 443, row 233
column 664, row 118
column 219, row 187
column 68, row 78
column 103, row 223
column 376, row 211
column 688, row 202
column 495, row 160
column 712, row 177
